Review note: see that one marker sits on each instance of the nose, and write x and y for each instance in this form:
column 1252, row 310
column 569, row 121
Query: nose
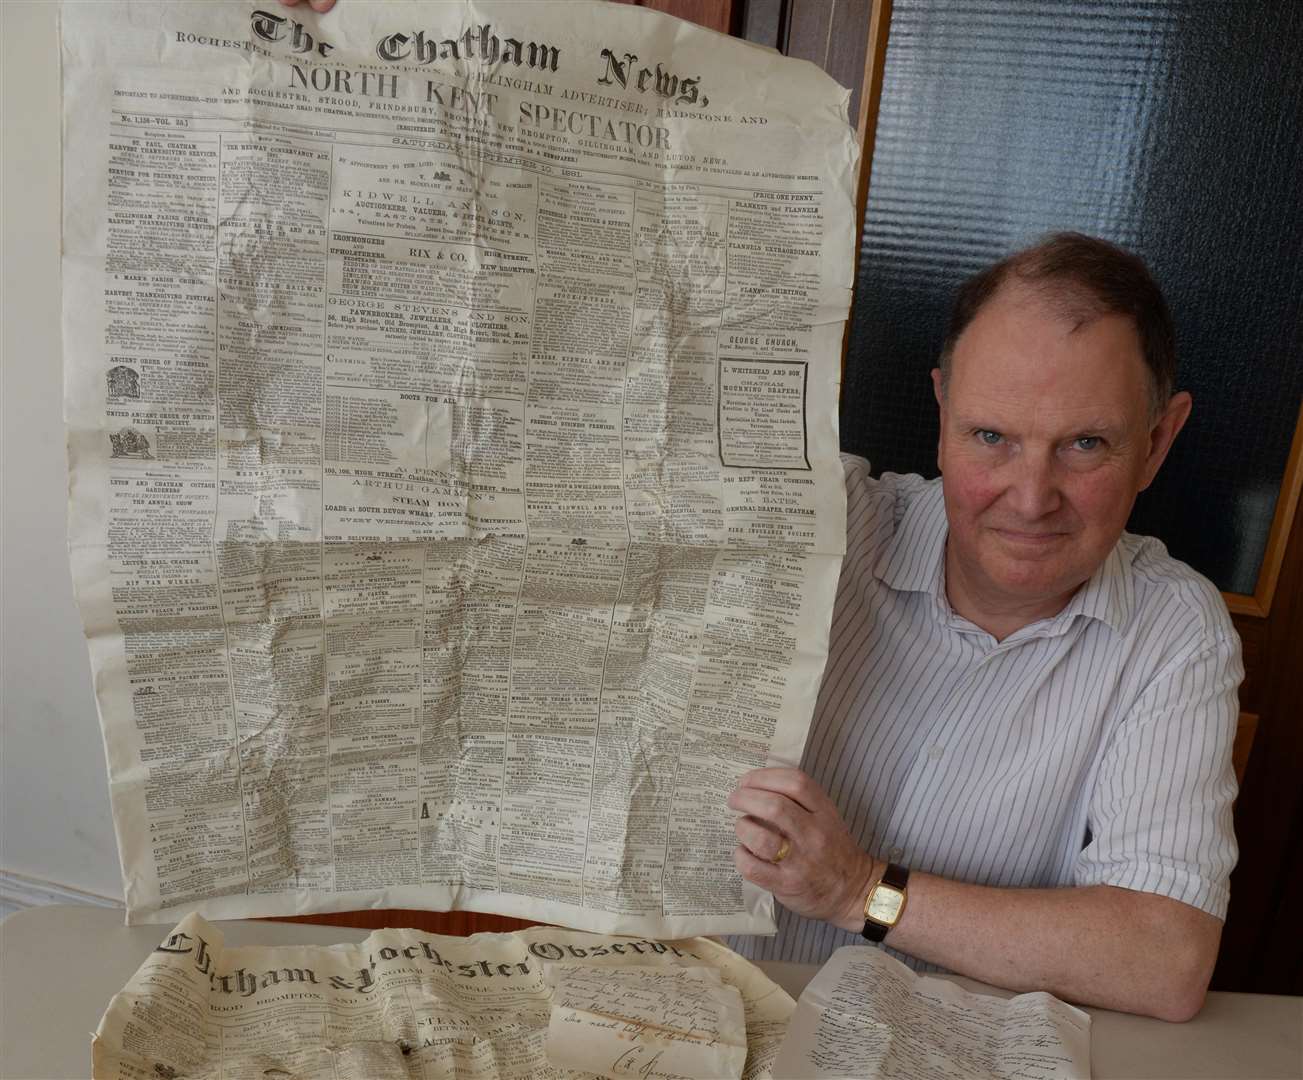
column 1033, row 491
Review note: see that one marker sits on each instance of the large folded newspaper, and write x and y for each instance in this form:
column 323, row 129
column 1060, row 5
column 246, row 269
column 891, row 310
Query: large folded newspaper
column 452, row 394
column 403, row 1004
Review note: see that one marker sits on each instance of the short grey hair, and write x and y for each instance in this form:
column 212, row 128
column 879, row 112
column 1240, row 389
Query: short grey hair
column 1085, row 278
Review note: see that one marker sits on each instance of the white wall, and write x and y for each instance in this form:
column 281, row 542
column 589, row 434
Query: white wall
column 55, row 824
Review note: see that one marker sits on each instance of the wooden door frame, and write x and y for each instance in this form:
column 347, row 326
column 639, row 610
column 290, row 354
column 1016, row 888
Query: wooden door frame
column 1258, row 604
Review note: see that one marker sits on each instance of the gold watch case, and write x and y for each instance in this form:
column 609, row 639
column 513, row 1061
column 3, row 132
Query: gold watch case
column 884, row 904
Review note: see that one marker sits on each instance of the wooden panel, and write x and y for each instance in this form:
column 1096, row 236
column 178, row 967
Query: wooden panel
column 715, row 14
column 833, row 35
column 1253, row 634
column 808, row 27
column 1244, row 732
column 455, row 923
column 765, row 23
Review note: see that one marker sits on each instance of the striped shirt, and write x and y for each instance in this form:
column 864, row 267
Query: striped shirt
column 1093, row 747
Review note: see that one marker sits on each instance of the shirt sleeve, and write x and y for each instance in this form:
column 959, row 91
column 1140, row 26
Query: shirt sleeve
column 1160, row 813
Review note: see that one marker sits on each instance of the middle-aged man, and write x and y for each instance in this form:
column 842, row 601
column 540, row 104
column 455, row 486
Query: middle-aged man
column 1027, row 710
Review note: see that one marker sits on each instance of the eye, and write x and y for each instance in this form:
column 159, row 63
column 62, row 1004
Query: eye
column 987, row 437
column 1087, row 442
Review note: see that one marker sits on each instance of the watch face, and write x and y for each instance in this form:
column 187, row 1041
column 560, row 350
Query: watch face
column 884, row 904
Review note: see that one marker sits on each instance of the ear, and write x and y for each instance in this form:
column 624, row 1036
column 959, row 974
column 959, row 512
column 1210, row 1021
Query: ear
column 939, row 394
column 1164, row 432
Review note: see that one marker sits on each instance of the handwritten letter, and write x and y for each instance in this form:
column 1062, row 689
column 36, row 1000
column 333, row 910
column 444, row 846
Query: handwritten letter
column 646, row 1023
column 866, row 1015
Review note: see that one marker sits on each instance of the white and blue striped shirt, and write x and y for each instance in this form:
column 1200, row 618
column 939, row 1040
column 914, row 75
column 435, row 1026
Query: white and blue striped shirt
column 1093, row 747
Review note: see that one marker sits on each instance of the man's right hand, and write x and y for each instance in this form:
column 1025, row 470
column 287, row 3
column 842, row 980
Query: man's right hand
column 820, row 872
column 316, row 5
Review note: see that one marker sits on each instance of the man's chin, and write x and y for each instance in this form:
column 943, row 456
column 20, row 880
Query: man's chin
column 1031, row 544
column 1033, row 569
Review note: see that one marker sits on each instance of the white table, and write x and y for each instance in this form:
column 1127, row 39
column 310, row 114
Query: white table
column 60, row 965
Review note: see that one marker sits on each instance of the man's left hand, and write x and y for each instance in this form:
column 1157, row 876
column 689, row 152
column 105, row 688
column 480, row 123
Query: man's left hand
column 823, row 874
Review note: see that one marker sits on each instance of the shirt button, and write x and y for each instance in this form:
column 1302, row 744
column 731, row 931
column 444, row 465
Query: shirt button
column 935, row 752
column 896, row 854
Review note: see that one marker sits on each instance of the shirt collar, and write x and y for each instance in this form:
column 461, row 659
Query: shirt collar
column 1107, row 596
column 914, row 561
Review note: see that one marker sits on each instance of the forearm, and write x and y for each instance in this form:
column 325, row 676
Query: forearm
column 1097, row 945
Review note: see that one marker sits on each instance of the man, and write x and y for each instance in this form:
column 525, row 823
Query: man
column 1026, row 706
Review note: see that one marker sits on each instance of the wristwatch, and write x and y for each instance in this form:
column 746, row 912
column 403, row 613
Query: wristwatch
column 885, row 903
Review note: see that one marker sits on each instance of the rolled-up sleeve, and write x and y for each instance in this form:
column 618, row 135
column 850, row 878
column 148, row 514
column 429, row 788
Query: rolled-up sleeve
column 1160, row 813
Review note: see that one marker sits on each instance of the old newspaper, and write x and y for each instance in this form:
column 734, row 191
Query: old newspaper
column 405, row 1004
column 451, row 391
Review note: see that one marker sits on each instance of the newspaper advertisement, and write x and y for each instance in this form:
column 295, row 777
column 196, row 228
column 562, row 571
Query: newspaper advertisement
column 455, row 510
column 866, row 1015
column 404, row 1004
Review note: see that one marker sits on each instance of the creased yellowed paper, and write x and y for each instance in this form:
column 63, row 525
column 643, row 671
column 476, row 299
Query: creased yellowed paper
column 636, row 1021
column 867, row 1016
column 451, row 394
column 399, row 1004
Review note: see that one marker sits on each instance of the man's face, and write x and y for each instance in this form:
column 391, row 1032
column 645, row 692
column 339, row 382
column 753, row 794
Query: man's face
column 1046, row 439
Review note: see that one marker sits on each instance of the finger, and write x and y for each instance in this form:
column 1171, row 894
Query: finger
column 777, row 811
column 792, row 783
column 762, row 842
column 322, row 5
column 757, row 871
column 771, row 777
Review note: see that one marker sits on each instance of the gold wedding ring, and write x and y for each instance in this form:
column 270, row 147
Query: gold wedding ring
column 783, row 851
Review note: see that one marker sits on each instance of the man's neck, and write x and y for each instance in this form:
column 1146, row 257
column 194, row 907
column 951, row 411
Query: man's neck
column 998, row 616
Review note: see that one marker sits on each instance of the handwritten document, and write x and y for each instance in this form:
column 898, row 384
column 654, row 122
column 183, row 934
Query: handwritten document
column 646, row 1022
column 866, row 1015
